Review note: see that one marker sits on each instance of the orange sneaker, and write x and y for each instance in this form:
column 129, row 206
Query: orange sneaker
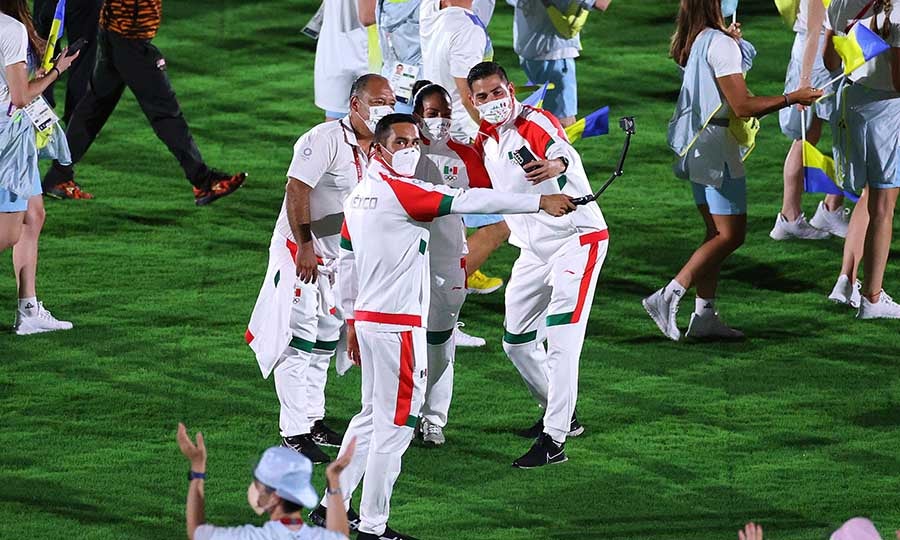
column 67, row 190
column 220, row 185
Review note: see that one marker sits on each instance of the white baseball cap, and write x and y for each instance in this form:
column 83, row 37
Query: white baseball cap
column 856, row 529
column 288, row 473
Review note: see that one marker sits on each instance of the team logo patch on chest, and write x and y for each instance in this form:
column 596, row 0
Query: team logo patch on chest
column 451, row 174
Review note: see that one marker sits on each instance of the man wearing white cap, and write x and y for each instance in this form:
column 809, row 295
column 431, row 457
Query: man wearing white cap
column 280, row 487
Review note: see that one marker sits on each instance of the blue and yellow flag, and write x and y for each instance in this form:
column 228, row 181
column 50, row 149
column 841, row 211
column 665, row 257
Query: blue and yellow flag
column 819, row 175
column 858, row 47
column 56, row 32
column 537, row 98
column 592, row 125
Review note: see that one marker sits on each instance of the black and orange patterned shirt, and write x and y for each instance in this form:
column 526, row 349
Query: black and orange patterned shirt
column 133, row 19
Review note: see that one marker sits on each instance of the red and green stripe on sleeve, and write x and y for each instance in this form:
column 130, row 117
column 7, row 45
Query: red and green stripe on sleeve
column 420, row 204
column 345, row 237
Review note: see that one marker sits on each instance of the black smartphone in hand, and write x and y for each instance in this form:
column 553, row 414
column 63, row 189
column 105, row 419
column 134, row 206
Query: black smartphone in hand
column 523, row 157
column 75, row 47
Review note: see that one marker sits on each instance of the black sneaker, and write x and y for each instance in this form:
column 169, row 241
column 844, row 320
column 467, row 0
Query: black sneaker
column 575, row 427
column 544, row 451
column 388, row 534
column 324, row 435
column 318, row 517
column 306, row 446
column 534, row 431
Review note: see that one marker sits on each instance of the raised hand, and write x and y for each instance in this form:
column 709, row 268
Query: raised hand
column 751, row 532
column 196, row 453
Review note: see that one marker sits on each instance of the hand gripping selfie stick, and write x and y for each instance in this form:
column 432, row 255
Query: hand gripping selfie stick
column 627, row 125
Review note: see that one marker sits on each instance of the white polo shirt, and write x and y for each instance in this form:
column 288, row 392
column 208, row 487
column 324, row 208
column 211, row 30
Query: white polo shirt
column 273, row 530
column 327, row 158
column 453, row 41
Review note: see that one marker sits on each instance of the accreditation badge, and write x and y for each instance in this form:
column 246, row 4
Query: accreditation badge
column 40, row 113
column 402, row 78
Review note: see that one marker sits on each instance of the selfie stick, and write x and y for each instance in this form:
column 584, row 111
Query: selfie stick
column 627, row 125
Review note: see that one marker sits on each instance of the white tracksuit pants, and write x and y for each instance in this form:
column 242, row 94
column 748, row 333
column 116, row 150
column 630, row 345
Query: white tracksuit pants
column 553, row 296
column 393, row 385
column 301, row 372
column 448, row 293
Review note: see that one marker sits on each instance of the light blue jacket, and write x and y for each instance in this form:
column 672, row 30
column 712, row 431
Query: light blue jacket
column 534, row 35
column 398, row 31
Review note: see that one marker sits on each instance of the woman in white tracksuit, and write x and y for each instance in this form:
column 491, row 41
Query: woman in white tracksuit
column 444, row 162
column 713, row 87
column 867, row 138
column 806, row 69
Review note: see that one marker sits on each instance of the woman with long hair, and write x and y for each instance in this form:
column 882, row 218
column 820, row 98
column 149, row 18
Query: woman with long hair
column 714, row 96
column 867, row 141
column 21, row 203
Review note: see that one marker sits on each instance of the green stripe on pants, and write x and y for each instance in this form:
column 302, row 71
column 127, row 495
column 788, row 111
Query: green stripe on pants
column 438, row 338
column 561, row 318
column 301, row 344
column 519, row 339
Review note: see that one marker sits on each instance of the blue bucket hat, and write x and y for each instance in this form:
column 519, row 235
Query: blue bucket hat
column 288, row 473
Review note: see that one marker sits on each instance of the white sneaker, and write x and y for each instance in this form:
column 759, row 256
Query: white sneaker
column 885, row 308
column 710, row 326
column 41, row 321
column 799, row 228
column 432, row 434
column 463, row 339
column 845, row 293
column 664, row 313
column 836, row 222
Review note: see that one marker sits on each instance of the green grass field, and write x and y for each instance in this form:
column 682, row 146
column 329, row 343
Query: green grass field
column 797, row 427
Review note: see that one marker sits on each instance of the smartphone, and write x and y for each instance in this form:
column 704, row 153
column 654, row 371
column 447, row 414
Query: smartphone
column 523, row 157
column 75, row 47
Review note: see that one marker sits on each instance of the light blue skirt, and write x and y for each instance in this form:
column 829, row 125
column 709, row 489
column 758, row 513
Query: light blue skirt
column 19, row 172
column 789, row 117
column 867, row 138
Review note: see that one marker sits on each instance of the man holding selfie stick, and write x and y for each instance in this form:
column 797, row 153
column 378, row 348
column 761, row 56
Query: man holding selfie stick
column 127, row 58
column 550, row 292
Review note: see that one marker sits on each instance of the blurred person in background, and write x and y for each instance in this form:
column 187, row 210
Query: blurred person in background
column 127, row 58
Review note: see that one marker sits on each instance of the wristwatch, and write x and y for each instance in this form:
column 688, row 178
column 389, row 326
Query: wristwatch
column 565, row 162
column 196, row 476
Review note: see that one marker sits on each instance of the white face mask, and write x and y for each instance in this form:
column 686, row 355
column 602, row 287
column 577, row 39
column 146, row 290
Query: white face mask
column 376, row 113
column 404, row 161
column 436, row 129
column 496, row 112
column 253, row 500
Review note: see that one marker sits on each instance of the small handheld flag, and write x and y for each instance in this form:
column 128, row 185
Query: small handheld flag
column 537, row 98
column 819, row 174
column 56, row 32
column 858, row 47
column 592, row 125
column 788, row 10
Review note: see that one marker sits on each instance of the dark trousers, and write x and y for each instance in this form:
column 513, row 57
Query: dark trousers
column 82, row 17
column 140, row 66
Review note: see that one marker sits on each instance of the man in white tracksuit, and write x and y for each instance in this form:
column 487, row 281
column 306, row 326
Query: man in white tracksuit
column 451, row 163
column 385, row 284
column 296, row 324
column 552, row 285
